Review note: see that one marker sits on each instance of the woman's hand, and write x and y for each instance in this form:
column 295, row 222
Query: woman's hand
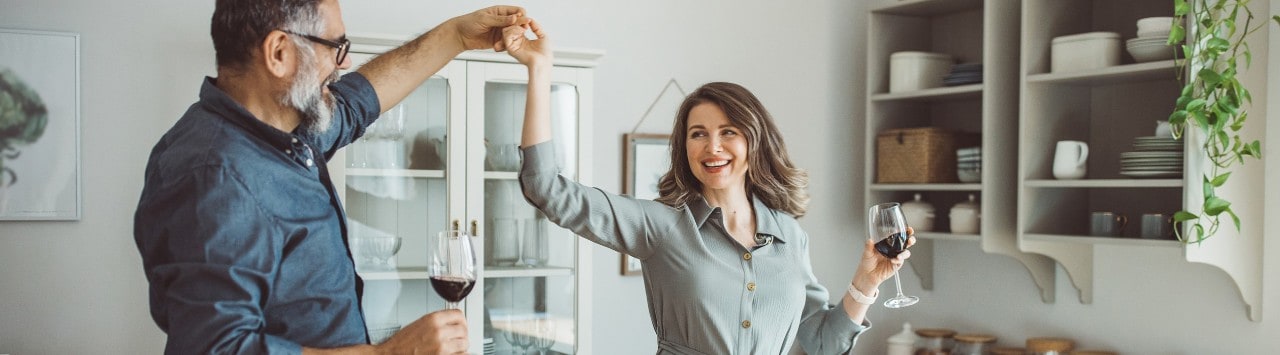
column 530, row 52
column 876, row 268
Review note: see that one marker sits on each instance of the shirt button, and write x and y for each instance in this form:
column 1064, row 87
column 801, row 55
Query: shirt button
column 288, row 151
column 746, row 256
column 295, row 140
column 746, row 324
column 751, row 286
column 310, row 162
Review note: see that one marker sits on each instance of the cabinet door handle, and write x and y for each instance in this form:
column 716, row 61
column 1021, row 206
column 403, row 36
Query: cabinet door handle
column 457, row 225
column 474, row 227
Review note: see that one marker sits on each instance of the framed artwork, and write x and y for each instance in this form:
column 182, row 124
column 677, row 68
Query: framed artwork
column 645, row 158
column 39, row 125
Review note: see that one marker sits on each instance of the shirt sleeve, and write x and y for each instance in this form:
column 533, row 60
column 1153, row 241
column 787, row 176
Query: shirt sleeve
column 621, row 223
column 825, row 329
column 355, row 107
column 211, row 255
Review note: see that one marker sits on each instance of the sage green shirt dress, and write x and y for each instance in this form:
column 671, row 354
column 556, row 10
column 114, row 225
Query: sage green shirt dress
column 707, row 293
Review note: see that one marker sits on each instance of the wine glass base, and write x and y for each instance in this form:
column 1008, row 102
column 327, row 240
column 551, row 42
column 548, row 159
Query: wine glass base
column 901, row 301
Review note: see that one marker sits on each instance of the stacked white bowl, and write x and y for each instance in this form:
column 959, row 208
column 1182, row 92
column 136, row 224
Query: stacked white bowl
column 1152, row 41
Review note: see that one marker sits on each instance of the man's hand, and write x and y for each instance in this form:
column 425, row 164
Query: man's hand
column 443, row 332
column 483, row 28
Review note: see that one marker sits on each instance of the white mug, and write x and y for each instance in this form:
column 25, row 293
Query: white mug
column 1069, row 159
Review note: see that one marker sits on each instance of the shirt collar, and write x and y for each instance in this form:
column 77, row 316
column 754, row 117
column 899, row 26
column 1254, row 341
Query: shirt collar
column 228, row 109
column 766, row 218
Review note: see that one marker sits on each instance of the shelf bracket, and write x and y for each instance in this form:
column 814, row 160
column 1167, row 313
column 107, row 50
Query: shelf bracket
column 921, row 261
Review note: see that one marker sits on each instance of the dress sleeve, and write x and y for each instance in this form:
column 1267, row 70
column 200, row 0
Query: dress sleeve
column 624, row 224
column 825, row 329
column 211, row 255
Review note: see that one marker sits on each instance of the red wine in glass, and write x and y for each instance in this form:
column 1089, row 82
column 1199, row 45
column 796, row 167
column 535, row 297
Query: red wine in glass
column 890, row 247
column 453, row 267
column 452, row 289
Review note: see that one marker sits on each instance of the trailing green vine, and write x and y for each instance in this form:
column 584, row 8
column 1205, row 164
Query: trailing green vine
column 1213, row 100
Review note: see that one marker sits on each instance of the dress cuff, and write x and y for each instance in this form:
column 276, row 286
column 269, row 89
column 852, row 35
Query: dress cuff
column 539, row 159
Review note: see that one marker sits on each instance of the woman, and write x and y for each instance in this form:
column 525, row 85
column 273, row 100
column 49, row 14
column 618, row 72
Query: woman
column 726, row 265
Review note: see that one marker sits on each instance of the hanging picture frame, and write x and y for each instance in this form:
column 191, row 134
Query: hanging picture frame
column 40, row 126
column 645, row 158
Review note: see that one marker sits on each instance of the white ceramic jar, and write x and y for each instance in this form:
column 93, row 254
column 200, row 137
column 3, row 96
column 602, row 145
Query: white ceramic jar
column 919, row 214
column 903, row 343
column 910, row 71
column 966, row 216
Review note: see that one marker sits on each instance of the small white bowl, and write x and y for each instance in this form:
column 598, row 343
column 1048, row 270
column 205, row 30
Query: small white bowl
column 1150, row 52
column 1155, row 24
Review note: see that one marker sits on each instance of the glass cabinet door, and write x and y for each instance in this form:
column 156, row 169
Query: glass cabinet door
column 530, row 282
column 395, row 182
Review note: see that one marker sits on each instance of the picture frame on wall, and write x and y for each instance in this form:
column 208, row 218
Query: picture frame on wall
column 39, row 125
column 646, row 157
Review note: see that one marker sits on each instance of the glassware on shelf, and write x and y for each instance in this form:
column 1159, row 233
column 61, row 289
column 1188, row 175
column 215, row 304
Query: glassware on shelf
column 544, row 334
column 887, row 227
column 453, row 267
column 506, row 241
column 534, row 248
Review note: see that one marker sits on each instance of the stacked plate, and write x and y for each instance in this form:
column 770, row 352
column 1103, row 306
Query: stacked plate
column 1153, row 157
column 969, row 164
column 489, row 348
column 1151, row 43
column 961, row 74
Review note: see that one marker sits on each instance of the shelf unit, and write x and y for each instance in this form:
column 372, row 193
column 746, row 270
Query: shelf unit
column 1106, row 107
column 972, row 31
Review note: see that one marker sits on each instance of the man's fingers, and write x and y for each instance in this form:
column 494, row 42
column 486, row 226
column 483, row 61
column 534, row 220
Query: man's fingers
column 501, row 16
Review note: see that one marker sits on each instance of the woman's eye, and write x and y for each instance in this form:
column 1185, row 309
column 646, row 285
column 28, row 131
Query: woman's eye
column 730, row 133
column 698, row 134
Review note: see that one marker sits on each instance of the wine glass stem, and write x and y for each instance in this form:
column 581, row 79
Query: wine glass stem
column 897, row 282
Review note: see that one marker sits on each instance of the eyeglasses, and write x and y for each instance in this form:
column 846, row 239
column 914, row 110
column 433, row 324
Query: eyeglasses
column 343, row 46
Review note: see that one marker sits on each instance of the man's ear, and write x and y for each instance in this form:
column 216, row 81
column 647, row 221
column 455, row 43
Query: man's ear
column 278, row 54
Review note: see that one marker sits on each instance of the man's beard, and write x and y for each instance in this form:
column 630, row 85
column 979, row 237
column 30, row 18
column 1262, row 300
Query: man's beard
column 306, row 94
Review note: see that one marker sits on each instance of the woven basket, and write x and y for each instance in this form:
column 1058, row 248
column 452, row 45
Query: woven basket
column 919, row 155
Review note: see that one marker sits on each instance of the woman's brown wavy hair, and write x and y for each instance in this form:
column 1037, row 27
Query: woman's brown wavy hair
column 771, row 177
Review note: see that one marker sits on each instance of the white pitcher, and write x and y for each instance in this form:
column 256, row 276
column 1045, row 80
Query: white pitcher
column 1069, row 160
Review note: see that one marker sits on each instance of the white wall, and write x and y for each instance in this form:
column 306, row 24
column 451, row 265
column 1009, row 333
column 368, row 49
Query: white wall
column 77, row 287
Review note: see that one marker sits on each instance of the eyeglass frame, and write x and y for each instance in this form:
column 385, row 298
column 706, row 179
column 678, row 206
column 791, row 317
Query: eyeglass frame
column 343, row 47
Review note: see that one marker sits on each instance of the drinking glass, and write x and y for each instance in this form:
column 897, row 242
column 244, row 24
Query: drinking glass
column 887, row 227
column 453, row 267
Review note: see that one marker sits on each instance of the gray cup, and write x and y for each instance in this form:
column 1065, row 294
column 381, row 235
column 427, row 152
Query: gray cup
column 1157, row 226
column 1107, row 224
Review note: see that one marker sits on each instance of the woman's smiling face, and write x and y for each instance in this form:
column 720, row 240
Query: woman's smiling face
column 717, row 150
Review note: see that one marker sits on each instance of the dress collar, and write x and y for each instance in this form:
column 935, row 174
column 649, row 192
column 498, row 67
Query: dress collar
column 766, row 218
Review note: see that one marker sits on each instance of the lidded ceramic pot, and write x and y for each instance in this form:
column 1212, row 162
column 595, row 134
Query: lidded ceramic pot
column 919, row 214
column 965, row 216
column 903, row 343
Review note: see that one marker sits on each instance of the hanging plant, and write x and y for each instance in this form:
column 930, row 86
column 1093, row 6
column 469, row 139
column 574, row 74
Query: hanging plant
column 1213, row 100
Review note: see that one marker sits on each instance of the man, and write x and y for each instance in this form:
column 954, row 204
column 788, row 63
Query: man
column 242, row 236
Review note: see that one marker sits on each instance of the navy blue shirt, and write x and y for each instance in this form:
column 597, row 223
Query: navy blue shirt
column 242, row 236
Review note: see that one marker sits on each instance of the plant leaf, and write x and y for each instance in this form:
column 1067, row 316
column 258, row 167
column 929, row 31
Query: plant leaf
column 1220, row 179
column 1234, row 218
column 1214, row 206
column 1180, row 9
column 1183, row 216
column 1210, row 77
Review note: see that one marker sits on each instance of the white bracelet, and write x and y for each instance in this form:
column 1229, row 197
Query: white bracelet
column 862, row 298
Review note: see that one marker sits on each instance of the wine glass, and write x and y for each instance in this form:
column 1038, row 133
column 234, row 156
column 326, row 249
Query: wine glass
column 453, row 267
column 544, row 330
column 887, row 227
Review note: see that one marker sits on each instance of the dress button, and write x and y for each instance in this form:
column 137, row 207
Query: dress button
column 746, row 324
column 751, row 286
column 310, row 162
column 746, row 256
